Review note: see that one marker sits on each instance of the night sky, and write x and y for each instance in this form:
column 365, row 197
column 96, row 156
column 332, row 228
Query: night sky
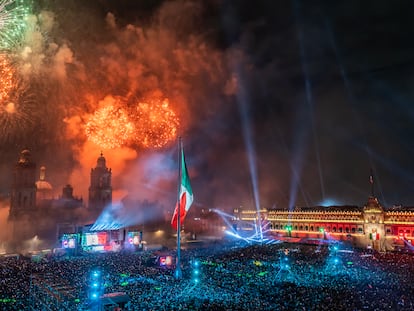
column 280, row 103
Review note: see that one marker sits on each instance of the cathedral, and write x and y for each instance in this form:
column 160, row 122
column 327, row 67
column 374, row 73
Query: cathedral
column 35, row 212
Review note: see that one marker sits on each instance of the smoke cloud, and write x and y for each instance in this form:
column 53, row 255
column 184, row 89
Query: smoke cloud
column 78, row 56
column 77, row 64
column 5, row 227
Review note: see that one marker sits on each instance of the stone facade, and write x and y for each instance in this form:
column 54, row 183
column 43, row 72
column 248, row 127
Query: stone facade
column 370, row 226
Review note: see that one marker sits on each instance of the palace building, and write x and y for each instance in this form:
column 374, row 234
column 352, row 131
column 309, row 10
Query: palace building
column 369, row 226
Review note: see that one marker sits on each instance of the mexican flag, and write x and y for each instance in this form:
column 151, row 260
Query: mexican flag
column 186, row 195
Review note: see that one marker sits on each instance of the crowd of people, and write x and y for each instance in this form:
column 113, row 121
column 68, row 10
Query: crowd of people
column 232, row 276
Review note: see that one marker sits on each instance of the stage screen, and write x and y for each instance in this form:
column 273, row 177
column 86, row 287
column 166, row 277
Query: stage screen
column 69, row 240
column 166, row 261
column 95, row 238
column 134, row 237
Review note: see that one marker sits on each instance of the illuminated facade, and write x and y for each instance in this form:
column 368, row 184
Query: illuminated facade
column 100, row 189
column 368, row 226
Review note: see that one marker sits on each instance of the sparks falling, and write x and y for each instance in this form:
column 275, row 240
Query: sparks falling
column 18, row 111
column 156, row 123
column 150, row 124
column 109, row 127
column 7, row 75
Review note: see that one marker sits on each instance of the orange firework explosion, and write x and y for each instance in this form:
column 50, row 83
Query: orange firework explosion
column 109, row 127
column 156, row 123
column 18, row 113
column 16, row 107
column 7, row 75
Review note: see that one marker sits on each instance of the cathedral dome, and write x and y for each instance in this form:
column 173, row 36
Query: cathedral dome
column 43, row 185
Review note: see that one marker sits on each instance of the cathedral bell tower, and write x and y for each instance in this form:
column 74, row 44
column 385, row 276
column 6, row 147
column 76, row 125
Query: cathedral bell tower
column 100, row 189
column 23, row 192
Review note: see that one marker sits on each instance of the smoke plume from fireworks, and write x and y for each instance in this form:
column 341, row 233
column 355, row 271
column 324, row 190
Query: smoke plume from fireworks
column 99, row 81
column 178, row 68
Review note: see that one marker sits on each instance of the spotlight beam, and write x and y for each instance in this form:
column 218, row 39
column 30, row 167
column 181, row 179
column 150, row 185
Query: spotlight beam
column 309, row 97
column 242, row 100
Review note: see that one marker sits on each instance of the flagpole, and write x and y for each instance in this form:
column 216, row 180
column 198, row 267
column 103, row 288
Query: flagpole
column 371, row 181
column 178, row 273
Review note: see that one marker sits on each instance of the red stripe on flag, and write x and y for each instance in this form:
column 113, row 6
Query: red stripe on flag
column 174, row 220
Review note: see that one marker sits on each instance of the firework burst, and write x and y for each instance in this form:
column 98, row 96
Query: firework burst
column 156, row 123
column 109, row 127
column 13, row 22
column 7, row 77
column 18, row 113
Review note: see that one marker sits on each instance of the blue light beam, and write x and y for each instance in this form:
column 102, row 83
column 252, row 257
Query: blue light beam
column 309, row 97
column 243, row 101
